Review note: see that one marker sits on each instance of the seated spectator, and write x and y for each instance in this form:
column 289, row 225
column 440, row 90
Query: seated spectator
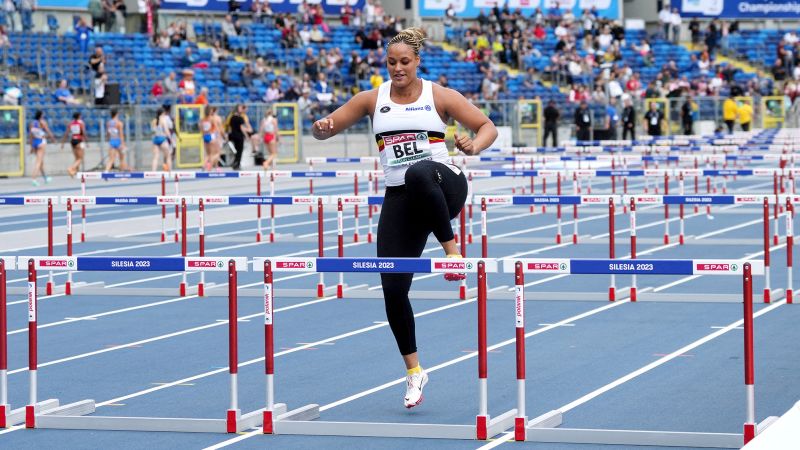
column 323, row 91
column 530, row 80
column 273, row 93
column 157, row 90
column 5, row 42
column 290, row 38
column 318, row 36
column 305, row 35
column 306, row 107
column 63, row 94
column 376, row 79
column 778, row 70
column 293, row 93
column 202, row 97
column 189, row 59
column 229, row 28
column 260, row 69
column 443, row 82
column 345, row 13
column 247, row 75
column 170, row 84
column 539, row 32
column 218, row 53
column 163, row 41
column 489, row 88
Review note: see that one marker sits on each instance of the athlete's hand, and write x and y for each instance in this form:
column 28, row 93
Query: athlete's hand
column 323, row 128
column 464, row 144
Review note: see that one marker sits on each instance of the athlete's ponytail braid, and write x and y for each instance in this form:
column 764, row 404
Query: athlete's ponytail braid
column 413, row 37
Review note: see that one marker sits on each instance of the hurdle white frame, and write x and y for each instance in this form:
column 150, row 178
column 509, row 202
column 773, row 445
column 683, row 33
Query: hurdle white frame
column 302, row 421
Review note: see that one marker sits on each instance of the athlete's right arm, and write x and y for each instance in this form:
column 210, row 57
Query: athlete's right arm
column 345, row 116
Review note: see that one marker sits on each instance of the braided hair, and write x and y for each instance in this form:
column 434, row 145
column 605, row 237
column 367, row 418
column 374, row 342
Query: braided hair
column 413, row 37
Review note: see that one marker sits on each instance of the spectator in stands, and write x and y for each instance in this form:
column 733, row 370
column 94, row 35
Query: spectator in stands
column 358, row 19
column 778, row 70
column 317, row 36
column 63, row 94
column 120, row 13
column 97, row 14
column 26, row 9
column 675, row 23
column 628, row 120
column 694, row 28
column 612, row 119
column 323, row 93
column 376, row 79
column 163, row 40
column 5, row 42
column 97, row 61
column 99, row 88
column 233, row 10
column 489, row 88
column 551, row 116
column 202, row 97
column 229, row 28
column 712, row 37
column 449, row 15
column 293, row 93
column 665, row 20
column 187, row 86
column 688, row 112
column 9, row 8
column 109, row 17
column 745, row 114
column 247, row 75
column 82, row 31
column 189, row 59
column 273, row 93
column 583, row 122
column 634, row 86
column 305, row 35
column 260, row 69
column 311, row 64
column 170, row 85
column 262, row 12
column 369, row 12
column 653, row 120
column 157, row 90
column 306, row 106
column 530, row 80
column 218, row 53
column 345, row 13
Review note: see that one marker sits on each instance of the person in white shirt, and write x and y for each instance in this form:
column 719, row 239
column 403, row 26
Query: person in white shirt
column 665, row 19
column 675, row 22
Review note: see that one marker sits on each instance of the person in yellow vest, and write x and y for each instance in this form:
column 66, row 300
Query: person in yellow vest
column 745, row 115
column 729, row 113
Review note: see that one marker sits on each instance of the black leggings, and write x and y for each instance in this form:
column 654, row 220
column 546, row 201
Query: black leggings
column 238, row 145
column 432, row 196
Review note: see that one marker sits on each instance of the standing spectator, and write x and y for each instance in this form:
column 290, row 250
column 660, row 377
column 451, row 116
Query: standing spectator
column 120, row 14
column 551, row 116
column 306, row 106
column 653, row 120
column 99, row 88
column 97, row 61
column 687, row 116
column 233, row 9
column 82, row 31
column 97, row 14
column 323, row 92
column 311, row 64
column 628, row 120
column 712, row 37
column 109, row 15
column 345, row 13
column 729, row 112
column 583, row 122
column 612, row 119
column 5, row 42
column 26, row 9
column 9, row 9
column 694, row 28
column 229, row 29
column 449, row 15
column 369, row 12
column 675, row 23
column 745, row 113
column 778, row 70
column 665, row 20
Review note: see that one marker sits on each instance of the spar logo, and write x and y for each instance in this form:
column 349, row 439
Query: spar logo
column 219, row 200
column 303, row 200
column 747, row 199
column 453, row 265
column 294, row 264
column 201, row 264
column 497, row 200
column 717, row 267
column 646, row 199
column 547, row 266
column 57, row 263
column 399, row 138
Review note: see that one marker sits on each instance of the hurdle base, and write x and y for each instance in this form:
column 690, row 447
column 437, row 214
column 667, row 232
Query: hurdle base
column 413, row 295
column 583, row 239
column 302, row 421
column 634, row 437
column 620, row 294
column 550, row 419
column 17, row 416
column 688, row 297
column 774, row 295
column 41, row 289
column 222, row 291
column 75, row 416
column 100, row 289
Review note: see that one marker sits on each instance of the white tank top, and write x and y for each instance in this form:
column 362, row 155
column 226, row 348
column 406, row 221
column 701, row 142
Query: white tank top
column 407, row 134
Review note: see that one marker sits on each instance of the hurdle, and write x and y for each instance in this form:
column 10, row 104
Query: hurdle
column 303, row 421
column 371, row 160
column 546, row 427
column 47, row 201
column 76, row 416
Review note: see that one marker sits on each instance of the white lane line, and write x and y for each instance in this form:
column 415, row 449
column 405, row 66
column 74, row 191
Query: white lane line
column 731, row 228
column 647, row 368
column 440, row 366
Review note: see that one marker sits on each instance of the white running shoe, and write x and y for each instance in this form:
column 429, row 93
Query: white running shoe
column 414, row 385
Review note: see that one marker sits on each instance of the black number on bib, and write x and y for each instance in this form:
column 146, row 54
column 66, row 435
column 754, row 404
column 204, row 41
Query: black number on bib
column 406, row 149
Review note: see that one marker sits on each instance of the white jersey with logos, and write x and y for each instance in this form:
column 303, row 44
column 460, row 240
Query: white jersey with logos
column 407, row 134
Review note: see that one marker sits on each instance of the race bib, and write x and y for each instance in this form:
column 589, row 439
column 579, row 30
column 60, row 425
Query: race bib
column 206, row 127
column 75, row 129
column 406, row 148
column 654, row 120
column 586, row 118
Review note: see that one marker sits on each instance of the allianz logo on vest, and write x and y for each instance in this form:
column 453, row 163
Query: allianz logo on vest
column 418, row 108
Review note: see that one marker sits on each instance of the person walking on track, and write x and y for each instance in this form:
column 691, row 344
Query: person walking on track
column 76, row 131
column 116, row 142
column 269, row 131
column 423, row 192
column 38, row 132
column 161, row 148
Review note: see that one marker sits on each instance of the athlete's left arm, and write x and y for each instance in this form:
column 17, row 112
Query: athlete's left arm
column 468, row 115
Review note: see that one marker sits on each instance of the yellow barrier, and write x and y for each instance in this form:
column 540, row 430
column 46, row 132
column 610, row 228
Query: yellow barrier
column 288, row 126
column 190, row 151
column 530, row 117
column 12, row 141
column 773, row 112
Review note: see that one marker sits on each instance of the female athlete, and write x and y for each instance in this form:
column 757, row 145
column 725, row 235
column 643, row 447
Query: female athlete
column 423, row 192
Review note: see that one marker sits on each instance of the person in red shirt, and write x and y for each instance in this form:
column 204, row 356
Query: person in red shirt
column 346, row 13
column 539, row 32
column 157, row 90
